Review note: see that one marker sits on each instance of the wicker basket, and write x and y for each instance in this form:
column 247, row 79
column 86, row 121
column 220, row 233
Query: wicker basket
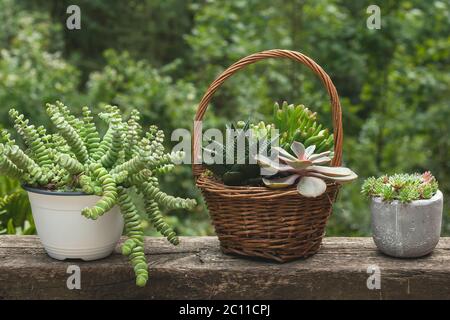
column 277, row 224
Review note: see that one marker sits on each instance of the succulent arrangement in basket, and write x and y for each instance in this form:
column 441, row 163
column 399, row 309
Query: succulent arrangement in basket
column 300, row 153
column 125, row 159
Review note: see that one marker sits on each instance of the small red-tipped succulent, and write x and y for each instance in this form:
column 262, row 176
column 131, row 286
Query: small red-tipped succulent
column 427, row 177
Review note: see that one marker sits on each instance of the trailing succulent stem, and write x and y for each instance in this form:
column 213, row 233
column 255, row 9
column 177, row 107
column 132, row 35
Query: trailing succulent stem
column 112, row 154
column 32, row 139
column 109, row 192
column 77, row 158
column 69, row 133
column 133, row 134
column 170, row 202
column 134, row 246
column 91, row 135
column 156, row 218
column 7, row 167
column 32, row 172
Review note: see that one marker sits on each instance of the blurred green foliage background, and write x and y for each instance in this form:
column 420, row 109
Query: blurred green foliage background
column 160, row 56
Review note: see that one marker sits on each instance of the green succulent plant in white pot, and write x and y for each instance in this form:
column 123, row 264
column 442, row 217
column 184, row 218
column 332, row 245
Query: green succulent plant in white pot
column 83, row 186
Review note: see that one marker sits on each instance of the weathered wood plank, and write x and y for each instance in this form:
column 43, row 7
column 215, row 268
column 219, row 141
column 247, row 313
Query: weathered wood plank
column 196, row 269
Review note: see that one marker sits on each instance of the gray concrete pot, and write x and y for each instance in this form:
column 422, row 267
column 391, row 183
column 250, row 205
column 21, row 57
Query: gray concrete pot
column 407, row 230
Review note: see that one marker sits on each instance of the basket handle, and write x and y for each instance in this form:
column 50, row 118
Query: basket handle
column 275, row 53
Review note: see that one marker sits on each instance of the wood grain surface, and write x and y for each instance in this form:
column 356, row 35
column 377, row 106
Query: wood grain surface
column 196, row 269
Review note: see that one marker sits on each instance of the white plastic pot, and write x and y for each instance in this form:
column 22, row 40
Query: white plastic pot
column 65, row 233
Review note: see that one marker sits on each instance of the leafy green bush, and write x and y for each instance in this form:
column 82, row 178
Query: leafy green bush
column 125, row 82
column 32, row 71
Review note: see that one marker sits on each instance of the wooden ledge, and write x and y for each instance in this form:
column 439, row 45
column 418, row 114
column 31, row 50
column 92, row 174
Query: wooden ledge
column 196, row 269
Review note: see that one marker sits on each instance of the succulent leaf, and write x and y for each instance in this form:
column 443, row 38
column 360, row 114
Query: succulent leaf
column 341, row 179
column 309, row 151
column 311, row 187
column 272, row 167
column 331, row 171
column 282, row 182
column 298, row 149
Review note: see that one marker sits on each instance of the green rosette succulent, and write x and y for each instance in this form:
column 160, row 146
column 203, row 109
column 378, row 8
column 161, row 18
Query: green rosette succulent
column 402, row 187
column 308, row 170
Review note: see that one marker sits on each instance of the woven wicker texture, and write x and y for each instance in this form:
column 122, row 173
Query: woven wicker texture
column 280, row 224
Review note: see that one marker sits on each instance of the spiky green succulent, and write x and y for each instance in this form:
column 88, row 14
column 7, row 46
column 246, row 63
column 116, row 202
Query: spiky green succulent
column 77, row 158
column 236, row 165
column 298, row 123
column 402, row 187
